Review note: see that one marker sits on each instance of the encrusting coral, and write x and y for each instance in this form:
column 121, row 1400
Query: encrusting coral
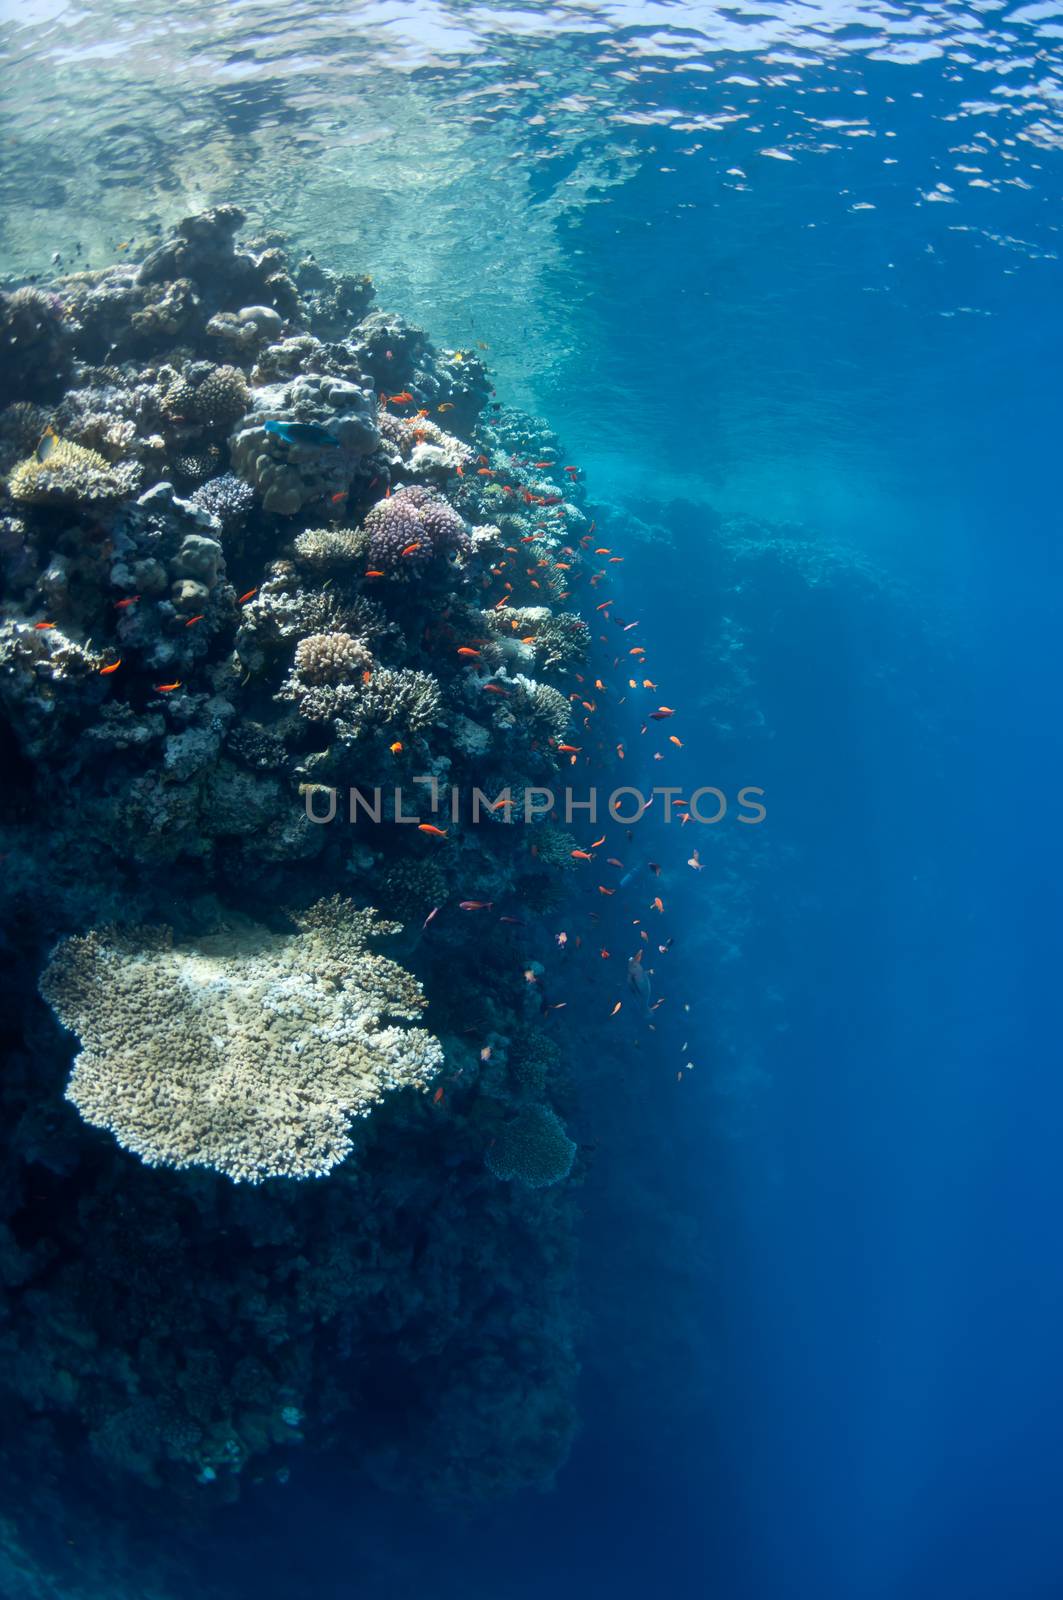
column 248, row 1052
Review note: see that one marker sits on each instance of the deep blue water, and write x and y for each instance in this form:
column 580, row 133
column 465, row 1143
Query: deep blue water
column 822, row 1278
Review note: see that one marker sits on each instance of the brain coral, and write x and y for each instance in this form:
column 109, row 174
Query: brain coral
column 533, row 1149
column 246, row 1051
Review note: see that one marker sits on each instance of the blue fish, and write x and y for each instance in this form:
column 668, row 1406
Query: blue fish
column 305, row 433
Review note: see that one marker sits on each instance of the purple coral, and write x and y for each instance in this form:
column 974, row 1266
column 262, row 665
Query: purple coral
column 413, row 516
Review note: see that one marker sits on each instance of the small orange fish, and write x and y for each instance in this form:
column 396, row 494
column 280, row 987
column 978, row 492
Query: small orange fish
column 658, row 903
column 603, row 550
column 648, row 683
column 197, row 618
column 396, row 748
column 167, row 688
column 484, row 472
column 467, row 651
column 430, row 827
column 112, row 668
column 244, row 598
column 604, row 954
column 485, row 1053
column 336, row 498
column 459, row 472
column 495, row 688
column 603, row 890
column 438, row 1096
column 562, row 939
column 400, row 399
column 677, row 742
column 620, row 751
column 616, row 1008
column 448, row 405
column 410, row 548
column 570, row 749
column 120, row 605
column 40, row 626
column 581, row 855
column 597, row 842
column 372, row 573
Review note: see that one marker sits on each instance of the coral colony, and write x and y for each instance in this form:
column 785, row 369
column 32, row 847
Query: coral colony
column 259, row 542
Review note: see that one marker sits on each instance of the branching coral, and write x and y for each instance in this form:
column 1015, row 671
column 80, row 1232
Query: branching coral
column 72, row 476
column 248, row 1052
column 323, row 550
column 532, row 1149
column 409, row 529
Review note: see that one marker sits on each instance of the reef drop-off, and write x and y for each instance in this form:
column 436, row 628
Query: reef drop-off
column 259, row 539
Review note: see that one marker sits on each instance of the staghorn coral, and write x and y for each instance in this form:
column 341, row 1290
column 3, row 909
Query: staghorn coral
column 532, row 1149
column 248, row 1052
column 72, row 476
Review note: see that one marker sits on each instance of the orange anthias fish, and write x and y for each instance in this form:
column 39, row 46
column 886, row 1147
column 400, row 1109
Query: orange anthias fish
column 581, row 855
column 430, row 827
column 677, row 742
column 570, row 749
column 496, row 688
column 400, row 399
column 244, row 598
column 112, row 668
column 437, row 1097
column 197, row 618
column 658, row 903
column 120, row 605
column 448, row 405
column 40, row 626
column 616, row 1008
column 373, row 573
column 410, row 548
column 396, row 748
column 167, row 688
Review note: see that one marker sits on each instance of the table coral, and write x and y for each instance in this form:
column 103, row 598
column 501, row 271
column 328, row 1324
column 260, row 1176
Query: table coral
column 248, row 1052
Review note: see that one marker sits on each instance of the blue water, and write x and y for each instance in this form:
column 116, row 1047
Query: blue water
column 822, row 1283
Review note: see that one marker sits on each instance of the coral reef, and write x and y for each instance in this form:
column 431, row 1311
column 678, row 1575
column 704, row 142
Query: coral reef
column 249, row 562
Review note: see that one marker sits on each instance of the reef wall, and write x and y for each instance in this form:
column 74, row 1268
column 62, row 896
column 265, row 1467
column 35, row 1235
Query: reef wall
column 261, row 543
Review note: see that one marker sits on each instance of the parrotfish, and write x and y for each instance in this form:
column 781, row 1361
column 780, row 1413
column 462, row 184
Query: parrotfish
column 305, row 433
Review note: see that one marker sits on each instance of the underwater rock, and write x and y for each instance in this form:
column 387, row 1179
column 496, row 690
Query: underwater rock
column 289, row 473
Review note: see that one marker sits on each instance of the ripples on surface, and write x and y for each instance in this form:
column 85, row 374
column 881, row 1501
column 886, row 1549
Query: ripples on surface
column 754, row 164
